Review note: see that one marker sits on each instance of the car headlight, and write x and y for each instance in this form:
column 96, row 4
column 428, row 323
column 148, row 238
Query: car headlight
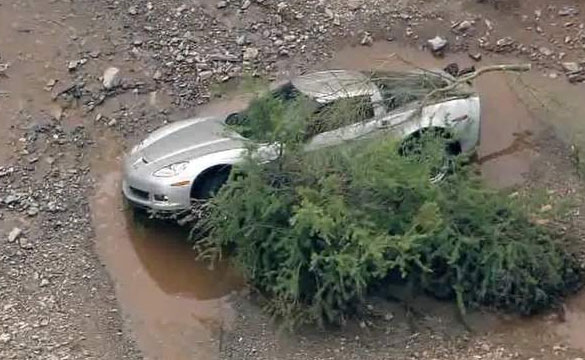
column 171, row 170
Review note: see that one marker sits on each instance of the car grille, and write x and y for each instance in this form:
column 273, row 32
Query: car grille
column 139, row 193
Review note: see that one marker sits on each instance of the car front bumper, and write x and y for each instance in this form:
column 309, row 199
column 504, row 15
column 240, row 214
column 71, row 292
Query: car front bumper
column 154, row 195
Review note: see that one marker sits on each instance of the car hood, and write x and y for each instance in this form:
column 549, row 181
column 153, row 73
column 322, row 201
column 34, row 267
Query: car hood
column 187, row 139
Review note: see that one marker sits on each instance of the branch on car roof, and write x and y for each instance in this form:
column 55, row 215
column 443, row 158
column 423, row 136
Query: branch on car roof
column 465, row 78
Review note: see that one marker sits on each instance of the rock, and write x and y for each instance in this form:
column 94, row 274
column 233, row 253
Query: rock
column 281, row 6
column 14, row 234
column 571, row 67
column 111, row 78
column 5, row 338
column 44, row 282
column 577, row 77
column 568, row 11
column 112, row 122
column 11, row 199
column 132, row 10
column 354, row 5
column 437, row 44
column 32, row 211
column 241, row 40
column 463, row 26
column 205, row 75
column 25, row 243
column 545, row 51
column 475, row 57
column 452, row 69
column 330, row 14
column 388, row 316
column 246, row 4
column 222, row 4
column 74, row 64
column 251, row 53
column 367, row 39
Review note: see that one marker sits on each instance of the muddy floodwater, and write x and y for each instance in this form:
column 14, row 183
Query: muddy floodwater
column 177, row 308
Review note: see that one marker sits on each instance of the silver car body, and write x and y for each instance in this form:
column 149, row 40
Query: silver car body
column 202, row 143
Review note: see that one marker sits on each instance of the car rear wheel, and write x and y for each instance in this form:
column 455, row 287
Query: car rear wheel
column 435, row 147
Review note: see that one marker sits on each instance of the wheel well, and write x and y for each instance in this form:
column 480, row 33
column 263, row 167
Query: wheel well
column 209, row 180
column 453, row 146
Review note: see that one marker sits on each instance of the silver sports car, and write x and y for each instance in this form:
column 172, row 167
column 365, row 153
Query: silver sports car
column 191, row 159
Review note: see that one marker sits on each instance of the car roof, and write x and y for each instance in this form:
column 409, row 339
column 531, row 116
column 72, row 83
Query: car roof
column 329, row 85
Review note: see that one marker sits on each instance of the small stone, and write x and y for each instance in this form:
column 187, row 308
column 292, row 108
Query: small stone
column 205, row 75
column 437, row 44
column 475, row 57
column 388, row 316
column 367, row 39
column 132, row 10
column 50, row 84
column 25, row 243
column 11, row 199
column 32, row 211
column 222, row 4
column 14, row 234
column 281, row 6
column 545, row 51
column 241, row 40
column 568, row 11
column 111, row 78
column 251, row 53
column 112, row 122
column 464, row 26
column 354, row 4
column 5, row 338
column 330, row 14
column 72, row 65
column 571, row 67
column 44, row 282
column 246, row 4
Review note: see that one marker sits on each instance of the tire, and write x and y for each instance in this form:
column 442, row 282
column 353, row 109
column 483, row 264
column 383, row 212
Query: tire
column 422, row 146
column 210, row 182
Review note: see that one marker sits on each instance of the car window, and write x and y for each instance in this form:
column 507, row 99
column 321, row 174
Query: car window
column 339, row 113
column 400, row 89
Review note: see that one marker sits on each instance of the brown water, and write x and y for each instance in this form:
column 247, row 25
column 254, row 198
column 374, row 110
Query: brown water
column 176, row 306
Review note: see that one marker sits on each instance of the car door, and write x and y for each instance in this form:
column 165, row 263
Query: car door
column 358, row 122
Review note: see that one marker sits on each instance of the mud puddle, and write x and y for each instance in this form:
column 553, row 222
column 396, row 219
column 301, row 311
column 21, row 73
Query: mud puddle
column 176, row 307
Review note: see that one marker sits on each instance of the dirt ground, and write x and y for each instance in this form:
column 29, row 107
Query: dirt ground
column 83, row 277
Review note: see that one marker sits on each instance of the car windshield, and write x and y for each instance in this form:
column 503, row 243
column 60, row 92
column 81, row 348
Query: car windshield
column 305, row 117
column 399, row 88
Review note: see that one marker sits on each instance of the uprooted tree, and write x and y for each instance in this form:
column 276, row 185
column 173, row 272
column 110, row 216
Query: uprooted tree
column 316, row 231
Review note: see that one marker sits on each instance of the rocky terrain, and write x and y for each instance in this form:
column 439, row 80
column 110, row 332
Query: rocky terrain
column 71, row 70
